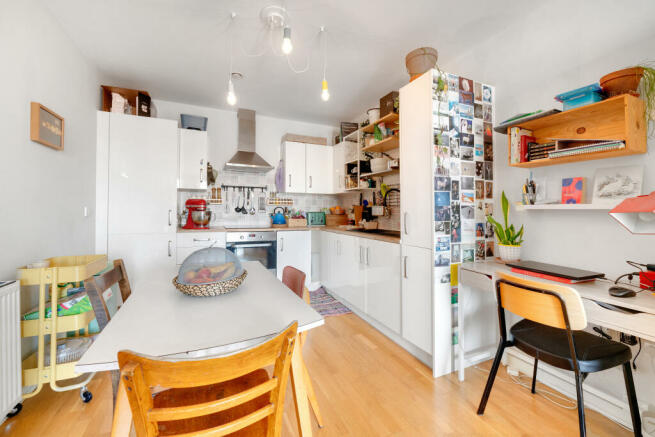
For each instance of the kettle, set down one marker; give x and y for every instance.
(278, 217)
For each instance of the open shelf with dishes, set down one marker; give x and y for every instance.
(620, 119)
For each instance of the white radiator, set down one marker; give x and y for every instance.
(10, 355)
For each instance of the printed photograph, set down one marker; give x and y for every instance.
(467, 140)
(478, 127)
(466, 125)
(444, 124)
(468, 197)
(479, 211)
(442, 160)
(442, 198)
(453, 121)
(468, 253)
(441, 183)
(490, 249)
(487, 94)
(479, 169)
(488, 190)
(488, 151)
(453, 108)
(467, 168)
(466, 97)
(441, 213)
(611, 185)
(467, 183)
(479, 189)
(468, 213)
(441, 258)
(479, 152)
(488, 230)
(456, 231)
(488, 170)
(477, 110)
(455, 253)
(468, 230)
(477, 91)
(442, 228)
(454, 147)
(479, 250)
(488, 131)
(455, 169)
(466, 153)
(455, 208)
(452, 82)
(454, 189)
(479, 230)
(465, 110)
(441, 138)
(443, 244)
(487, 113)
(488, 208)
(465, 85)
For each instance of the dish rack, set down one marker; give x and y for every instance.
(63, 273)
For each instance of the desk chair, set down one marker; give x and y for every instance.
(552, 331)
(95, 286)
(218, 396)
(295, 280)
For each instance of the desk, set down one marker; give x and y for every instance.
(160, 321)
(641, 323)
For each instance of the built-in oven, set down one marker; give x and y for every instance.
(254, 246)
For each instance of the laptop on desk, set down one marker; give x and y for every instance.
(553, 272)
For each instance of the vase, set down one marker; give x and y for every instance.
(508, 252)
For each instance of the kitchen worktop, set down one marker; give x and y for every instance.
(335, 229)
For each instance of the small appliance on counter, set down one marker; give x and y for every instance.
(278, 217)
(198, 215)
(315, 219)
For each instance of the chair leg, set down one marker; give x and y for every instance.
(579, 378)
(632, 399)
(534, 375)
(492, 377)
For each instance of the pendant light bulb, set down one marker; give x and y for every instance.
(325, 94)
(287, 47)
(231, 96)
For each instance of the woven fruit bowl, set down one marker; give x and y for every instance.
(212, 288)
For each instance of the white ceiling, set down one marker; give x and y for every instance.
(178, 49)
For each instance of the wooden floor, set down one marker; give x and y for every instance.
(366, 386)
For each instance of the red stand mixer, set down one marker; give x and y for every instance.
(198, 215)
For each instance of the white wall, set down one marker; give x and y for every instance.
(43, 191)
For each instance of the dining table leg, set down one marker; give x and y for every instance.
(299, 388)
(122, 421)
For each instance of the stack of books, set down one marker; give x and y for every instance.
(600, 146)
(519, 137)
(539, 151)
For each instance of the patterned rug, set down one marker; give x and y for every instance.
(325, 304)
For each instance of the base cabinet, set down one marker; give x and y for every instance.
(383, 283)
(417, 296)
(189, 242)
(294, 248)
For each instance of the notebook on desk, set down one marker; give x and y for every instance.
(553, 272)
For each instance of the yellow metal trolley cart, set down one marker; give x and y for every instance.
(62, 270)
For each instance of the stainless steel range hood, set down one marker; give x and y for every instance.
(246, 159)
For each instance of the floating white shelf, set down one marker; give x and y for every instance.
(564, 207)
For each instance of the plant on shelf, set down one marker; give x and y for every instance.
(509, 240)
(647, 89)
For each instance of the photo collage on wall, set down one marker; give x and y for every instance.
(463, 115)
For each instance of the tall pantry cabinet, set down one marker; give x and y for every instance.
(136, 190)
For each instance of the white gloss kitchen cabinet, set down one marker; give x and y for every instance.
(294, 248)
(417, 296)
(307, 168)
(189, 242)
(193, 150)
(136, 197)
(339, 168)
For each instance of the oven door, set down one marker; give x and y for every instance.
(264, 252)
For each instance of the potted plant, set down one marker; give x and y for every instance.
(509, 240)
(638, 80)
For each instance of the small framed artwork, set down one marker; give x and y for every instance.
(46, 127)
(612, 185)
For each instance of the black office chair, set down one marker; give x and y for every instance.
(552, 331)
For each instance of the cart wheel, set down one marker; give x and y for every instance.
(16, 410)
(85, 395)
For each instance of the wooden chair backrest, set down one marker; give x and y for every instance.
(95, 286)
(541, 307)
(294, 279)
(141, 374)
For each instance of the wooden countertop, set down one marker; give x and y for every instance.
(335, 229)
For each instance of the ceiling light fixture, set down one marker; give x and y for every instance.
(287, 47)
(231, 95)
(325, 93)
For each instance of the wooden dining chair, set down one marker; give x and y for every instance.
(232, 395)
(295, 280)
(552, 331)
(95, 286)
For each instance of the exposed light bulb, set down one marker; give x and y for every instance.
(231, 96)
(325, 94)
(287, 47)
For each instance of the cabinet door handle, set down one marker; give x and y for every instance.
(170, 217)
(405, 267)
(289, 179)
(310, 182)
(202, 239)
(281, 244)
(405, 223)
(170, 248)
(368, 250)
(200, 174)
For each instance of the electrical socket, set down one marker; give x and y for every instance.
(512, 371)
(628, 339)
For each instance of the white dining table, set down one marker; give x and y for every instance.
(159, 321)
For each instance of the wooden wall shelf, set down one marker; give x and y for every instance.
(617, 118)
(384, 145)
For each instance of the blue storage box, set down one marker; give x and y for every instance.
(580, 97)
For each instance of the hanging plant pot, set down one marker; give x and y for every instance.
(420, 60)
(624, 81)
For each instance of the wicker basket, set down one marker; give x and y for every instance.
(213, 289)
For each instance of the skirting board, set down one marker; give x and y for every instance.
(563, 382)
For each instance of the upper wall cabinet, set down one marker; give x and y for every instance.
(193, 149)
(307, 168)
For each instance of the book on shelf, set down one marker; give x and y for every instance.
(564, 147)
(573, 190)
(515, 143)
(525, 140)
(539, 151)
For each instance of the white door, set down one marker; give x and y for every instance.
(383, 283)
(416, 155)
(142, 196)
(338, 168)
(319, 168)
(193, 159)
(146, 256)
(326, 259)
(294, 167)
(294, 248)
(353, 269)
(416, 271)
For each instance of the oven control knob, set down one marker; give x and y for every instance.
(241, 237)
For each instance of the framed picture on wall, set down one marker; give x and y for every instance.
(46, 127)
